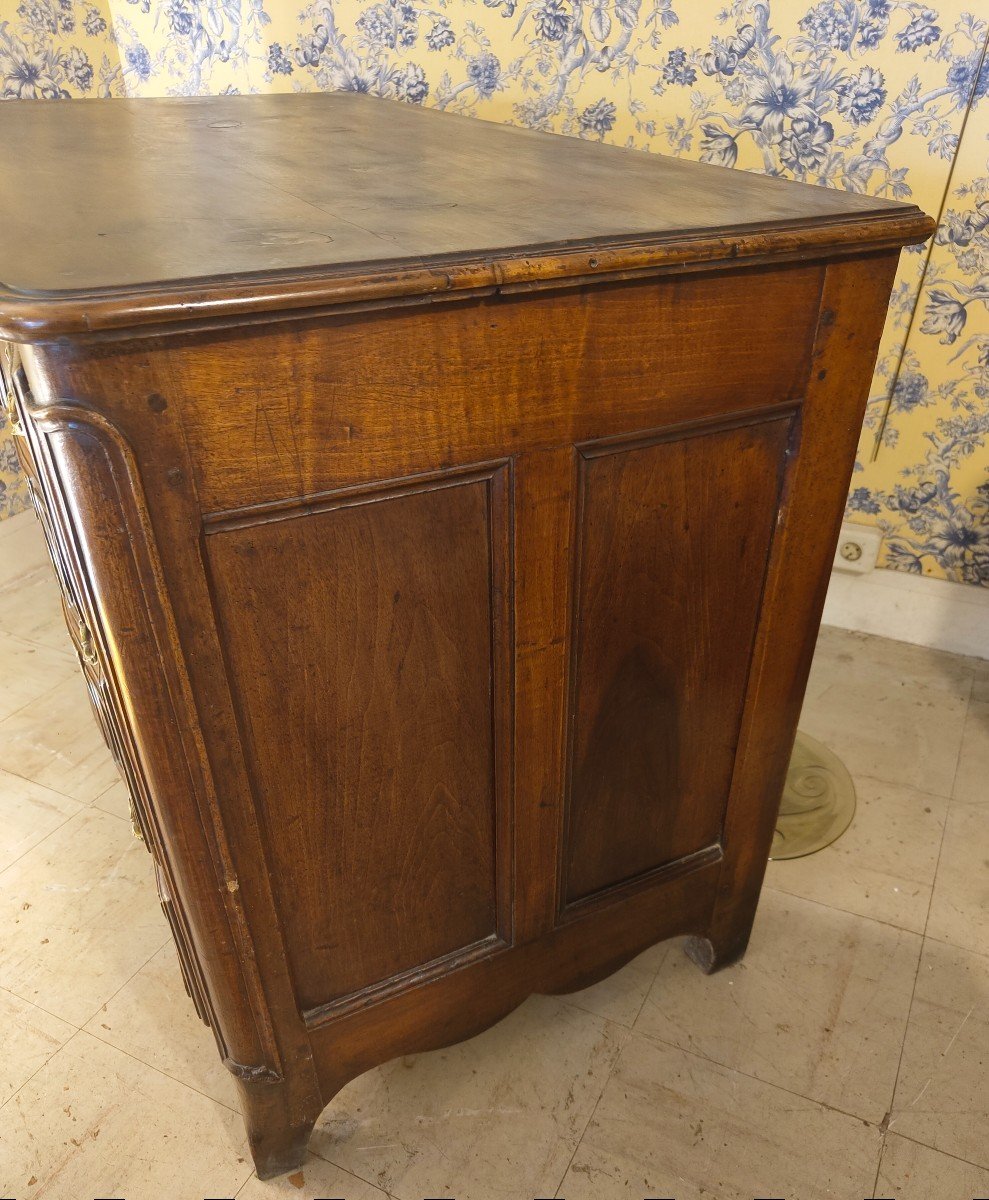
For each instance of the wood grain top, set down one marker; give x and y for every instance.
(116, 213)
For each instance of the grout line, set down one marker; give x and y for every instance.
(34, 644)
(947, 815)
(65, 1020)
(91, 805)
(65, 651)
(947, 1153)
(158, 1070)
(34, 845)
(41, 1008)
(940, 941)
(330, 1163)
(779, 1087)
(652, 983)
(13, 1095)
(879, 1158)
(83, 808)
(969, 719)
(600, 1096)
(568, 998)
(36, 574)
(587, 1126)
(920, 957)
(64, 648)
(103, 1003)
(17, 712)
(766, 887)
(134, 1058)
(624, 1032)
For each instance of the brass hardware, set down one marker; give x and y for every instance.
(135, 824)
(818, 801)
(10, 399)
(10, 407)
(87, 644)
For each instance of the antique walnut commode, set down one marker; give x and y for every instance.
(443, 514)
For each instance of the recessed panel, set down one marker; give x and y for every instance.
(362, 641)
(673, 541)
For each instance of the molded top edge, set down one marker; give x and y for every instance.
(216, 209)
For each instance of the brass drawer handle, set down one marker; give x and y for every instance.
(10, 399)
(87, 645)
(10, 406)
(135, 824)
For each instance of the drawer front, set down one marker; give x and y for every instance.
(79, 612)
(26, 443)
(192, 976)
(298, 410)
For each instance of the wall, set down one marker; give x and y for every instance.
(930, 484)
(870, 95)
(49, 50)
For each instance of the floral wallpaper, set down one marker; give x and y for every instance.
(881, 96)
(931, 495)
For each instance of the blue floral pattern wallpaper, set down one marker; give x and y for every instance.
(879, 96)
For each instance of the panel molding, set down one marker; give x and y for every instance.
(587, 905)
(497, 479)
(405, 981)
(585, 453)
(330, 499)
(682, 430)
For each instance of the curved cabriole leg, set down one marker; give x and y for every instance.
(277, 1131)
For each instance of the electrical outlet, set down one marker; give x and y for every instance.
(858, 548)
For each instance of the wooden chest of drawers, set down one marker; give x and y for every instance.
(443, 514)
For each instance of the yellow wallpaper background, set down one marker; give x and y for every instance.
(882, 96)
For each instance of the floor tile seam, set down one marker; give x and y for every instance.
(130, 978)
(787, 1091)
(917, 933)
(41, 570)
(51, 833)
(17, 711)
(968, 1162)
(944, 941)
(68, 654)
(76, 1030)
(913, 996)
(160, 1071)
(34, 845)
(594, 1108)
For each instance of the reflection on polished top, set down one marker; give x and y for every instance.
(184, 202)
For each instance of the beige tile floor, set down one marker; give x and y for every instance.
(846, 1057)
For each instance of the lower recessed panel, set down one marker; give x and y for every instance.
(673, 541)
(361, 638)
